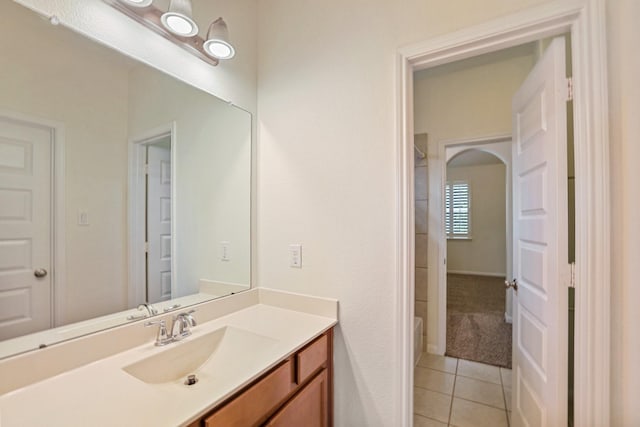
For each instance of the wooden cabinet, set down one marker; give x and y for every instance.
(298, 392)
(308, 408)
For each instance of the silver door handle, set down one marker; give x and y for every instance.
(512, 284)
(40, 273)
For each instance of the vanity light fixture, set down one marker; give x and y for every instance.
(178, 26)
(138, 3)
(217, 44)
(178, 19)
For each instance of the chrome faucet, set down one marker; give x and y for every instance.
(180, 329)
(150, 309)
(182, 324)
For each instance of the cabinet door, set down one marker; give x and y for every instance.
(308, 408)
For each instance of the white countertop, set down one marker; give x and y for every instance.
(103, 394)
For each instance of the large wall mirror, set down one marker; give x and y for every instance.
(119, 185)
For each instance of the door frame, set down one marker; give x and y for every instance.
(58, 276)
(437, 159)
(585, 20)
(137, 209)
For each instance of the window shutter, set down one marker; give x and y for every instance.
(457, 209)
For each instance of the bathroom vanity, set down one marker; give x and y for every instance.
(296, 393)
(261, 357)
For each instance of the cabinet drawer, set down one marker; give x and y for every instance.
(255, 404)
(311, 359)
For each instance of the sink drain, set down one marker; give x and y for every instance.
(191, 380)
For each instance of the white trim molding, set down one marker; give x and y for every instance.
(405, 253)
(585, 20)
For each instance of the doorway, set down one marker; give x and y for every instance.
(523, 86)
(152, 216)
(158, 220)
(592, 195)
(478, 321)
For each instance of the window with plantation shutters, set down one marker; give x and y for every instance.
(457, 210)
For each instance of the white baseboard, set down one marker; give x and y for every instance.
(477, 273)
(508, 318)
(433, 349)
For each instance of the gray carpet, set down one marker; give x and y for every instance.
(476, 329)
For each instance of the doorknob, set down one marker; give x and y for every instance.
(40, 273)
(512, 284)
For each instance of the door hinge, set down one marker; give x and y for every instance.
(146, 247)
(145, 169)
(572, 279)
(569, 88)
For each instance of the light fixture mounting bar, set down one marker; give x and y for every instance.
(150, 18)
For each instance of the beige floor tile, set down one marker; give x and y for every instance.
(439, 363)
(479, 371)
(420, 421)
(433, 380)
(471, 414)
(506, 377)
(479, 391)
(507, 397)
(431, 404)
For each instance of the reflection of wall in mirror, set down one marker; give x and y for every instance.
(213, 170)
(43, 76)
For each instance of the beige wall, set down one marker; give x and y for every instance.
(624, 114)
(470, 98)
(44, 75)
(212, 175)
(485, 252)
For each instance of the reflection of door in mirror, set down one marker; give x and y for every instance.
(25, 227)
(158, 220)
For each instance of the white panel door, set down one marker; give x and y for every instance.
(159, 223)
(540, 248)
(25, 228)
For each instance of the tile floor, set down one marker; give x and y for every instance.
(460, 393)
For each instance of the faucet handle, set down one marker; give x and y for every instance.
(182, 323)
(163, 337)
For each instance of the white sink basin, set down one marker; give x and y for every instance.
(216, 354)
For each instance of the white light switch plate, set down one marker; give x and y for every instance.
(295, 256)
(225, 251)
(83, 218)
